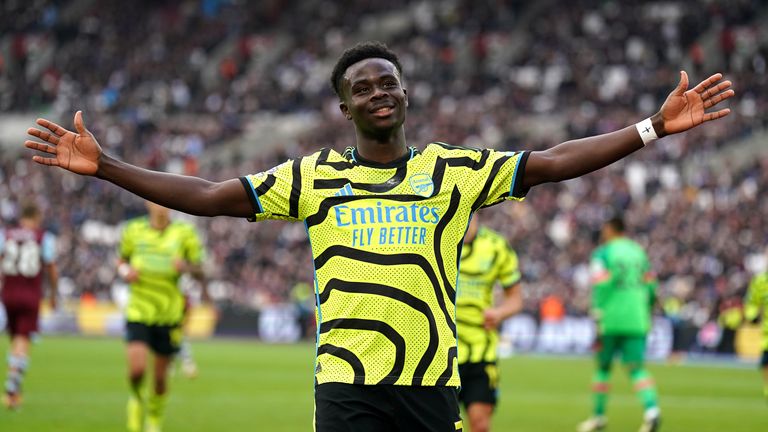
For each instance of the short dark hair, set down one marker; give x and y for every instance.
(617, 223)
(361, 51)
(29, 210)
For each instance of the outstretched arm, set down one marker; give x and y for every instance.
(681, 111)
(80, 153)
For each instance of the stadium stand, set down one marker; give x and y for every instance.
(187, 86)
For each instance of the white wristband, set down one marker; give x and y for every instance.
(123, 270)
(646, 131)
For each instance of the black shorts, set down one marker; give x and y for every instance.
(161, 339)
(385, 408)
(764, 359)
(479, 383)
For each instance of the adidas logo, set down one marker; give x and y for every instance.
(345, 191)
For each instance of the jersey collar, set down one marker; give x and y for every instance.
(353, 156)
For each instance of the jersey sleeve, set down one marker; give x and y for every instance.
(276, 193)
(48, 252)
(193, 246)
(502, 177)
(509, 271)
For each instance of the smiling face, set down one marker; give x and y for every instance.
(373, 97)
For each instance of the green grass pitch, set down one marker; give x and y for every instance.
(77, 384)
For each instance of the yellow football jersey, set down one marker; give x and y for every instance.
(155, 298)
(385, 242)
(484, 261)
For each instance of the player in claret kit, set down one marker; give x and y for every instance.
(28, 251)
(385, 222)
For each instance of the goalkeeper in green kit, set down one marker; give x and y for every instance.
(623, 295)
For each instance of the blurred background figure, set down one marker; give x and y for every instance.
(303, 300)
(730, 316)
(155, 251)
(486, 260)
(624, 294)
(28, 253)
(756, 305)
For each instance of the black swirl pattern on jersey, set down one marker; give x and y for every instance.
(448, 372)
(322, 159)
(357, 366)
(479, 272)
(486, 344)
(455, 147)
(386, 186)
(253, 194)
(401, 296)
(453, 206)
(466, 346)
(293, 202)
(377, 326)
(479, 202)
(390, 260)
(266, 185)
(463, 161)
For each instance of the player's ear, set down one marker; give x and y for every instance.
(405, 92)
(345, 110)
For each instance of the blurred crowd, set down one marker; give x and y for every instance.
(164, 84)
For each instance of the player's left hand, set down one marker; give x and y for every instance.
(492, 319)
(685, 108)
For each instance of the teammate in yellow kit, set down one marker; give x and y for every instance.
(485, 260)
(154, 252)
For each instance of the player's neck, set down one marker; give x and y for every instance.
(159, 224)
(28, 223)
(382, 149)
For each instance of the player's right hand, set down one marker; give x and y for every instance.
(127, 272)
(77, 152)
